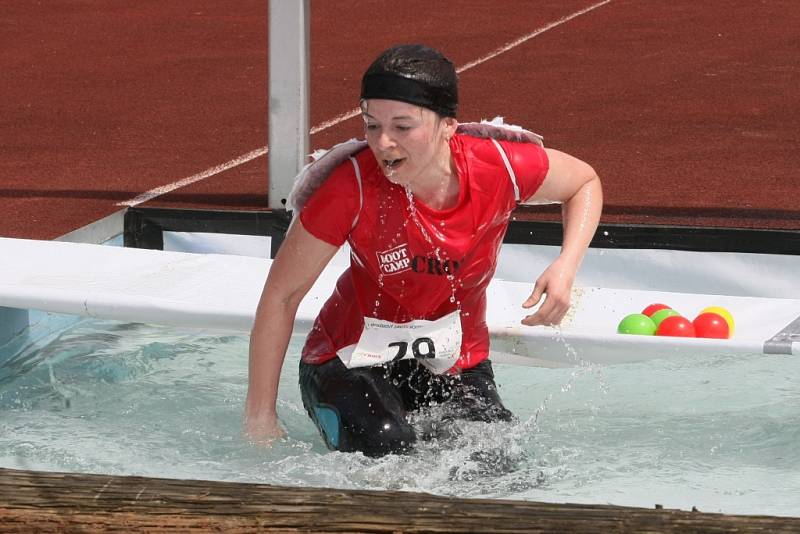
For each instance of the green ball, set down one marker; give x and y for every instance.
(660, 315)
(637, 324)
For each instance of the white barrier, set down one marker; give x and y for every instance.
(221, 292)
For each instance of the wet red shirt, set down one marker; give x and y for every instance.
(396, 273)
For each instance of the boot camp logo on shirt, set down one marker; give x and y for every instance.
(395, 260)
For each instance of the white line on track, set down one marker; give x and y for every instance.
(253, 154)
(164, 189)
(515, 43)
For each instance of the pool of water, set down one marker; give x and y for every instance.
(720, 433)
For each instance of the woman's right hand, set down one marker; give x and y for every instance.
(300, 260)
(263, 430)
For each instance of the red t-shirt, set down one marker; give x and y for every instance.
(395, 273)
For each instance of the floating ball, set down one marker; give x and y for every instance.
(637, 324)
(652, 308)
(675, 326)
(725, 315)
(711, 325)
(660, 315)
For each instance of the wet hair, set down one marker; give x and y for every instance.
(415, 74)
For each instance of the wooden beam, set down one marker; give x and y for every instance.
(60, 502)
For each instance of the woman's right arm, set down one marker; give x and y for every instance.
(300, 260)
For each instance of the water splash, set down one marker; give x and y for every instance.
(437, 251)
(581, 367)
(383, 208)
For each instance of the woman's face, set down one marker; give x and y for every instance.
(408, 141)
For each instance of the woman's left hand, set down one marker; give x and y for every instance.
(556, 283)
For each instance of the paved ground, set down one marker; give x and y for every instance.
(688, 110)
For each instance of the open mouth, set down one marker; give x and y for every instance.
(392, 164)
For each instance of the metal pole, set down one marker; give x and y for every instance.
(288, 95)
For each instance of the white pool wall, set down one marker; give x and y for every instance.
(719, 273)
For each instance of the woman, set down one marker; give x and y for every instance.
(424, 210)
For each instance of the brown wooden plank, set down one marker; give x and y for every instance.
(61, 502)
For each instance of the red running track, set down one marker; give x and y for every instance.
(688, 110)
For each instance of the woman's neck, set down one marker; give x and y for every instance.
(439, 188)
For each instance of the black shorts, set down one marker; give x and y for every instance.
(365, 409)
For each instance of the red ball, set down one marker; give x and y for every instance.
(711, 325)
(651, 309)
(676, 326)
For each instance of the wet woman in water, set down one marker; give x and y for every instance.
(424, 205)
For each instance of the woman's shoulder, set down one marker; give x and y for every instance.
(490, 141)
(474, 148)
(489, 147)
(332, 167)
(498, 143)
(359, 163)
(366, 161)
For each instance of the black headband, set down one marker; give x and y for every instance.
(386, 85)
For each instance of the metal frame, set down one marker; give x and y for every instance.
(288, 95)
(787, 341)
(144, 226)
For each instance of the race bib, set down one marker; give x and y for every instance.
(436, 344)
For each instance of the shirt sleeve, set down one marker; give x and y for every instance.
(530, 165)
(330, 212)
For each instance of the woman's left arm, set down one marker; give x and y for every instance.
(576, 185)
